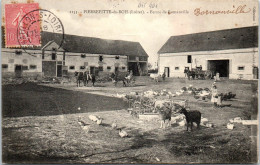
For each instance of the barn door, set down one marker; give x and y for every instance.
(59, 70)
(49, 68)
(18, 71)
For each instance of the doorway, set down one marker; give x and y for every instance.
(255, 72)
(219, 66)
(18, 71)
(116, 69)
(92, 70)
(167, 71)
(59, 70)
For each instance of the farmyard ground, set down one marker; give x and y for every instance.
(40, 126)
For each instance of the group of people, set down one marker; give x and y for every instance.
(126, 79)
(85, 77)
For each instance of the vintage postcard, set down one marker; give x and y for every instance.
(130, 81)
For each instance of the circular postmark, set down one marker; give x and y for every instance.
(37, 28)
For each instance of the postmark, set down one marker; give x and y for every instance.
(28, 29)
(14, 14)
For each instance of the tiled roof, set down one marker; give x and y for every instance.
(237, 38)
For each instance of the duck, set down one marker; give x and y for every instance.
(122, 133)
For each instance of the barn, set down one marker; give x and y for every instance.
(233, 53)
(63, 54)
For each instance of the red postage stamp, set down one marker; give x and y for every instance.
(22, 27)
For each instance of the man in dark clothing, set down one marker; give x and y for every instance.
(93, 79)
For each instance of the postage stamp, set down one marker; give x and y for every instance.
(22, 28)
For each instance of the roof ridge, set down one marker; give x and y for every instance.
(214, 31)
(92, 37)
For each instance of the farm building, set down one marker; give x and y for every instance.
(76, 53)
(233, 53)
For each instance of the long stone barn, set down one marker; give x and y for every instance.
(77, 53)
(233, 53)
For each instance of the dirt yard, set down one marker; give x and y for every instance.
(42, 127)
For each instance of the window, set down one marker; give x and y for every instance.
(240, 68)
(59, 62)
(189, 59)
(83, 55)
(82, 67)
(72, 67)
(123, 67)
(142, 58)
(117, 57)
(53, 56)
(33, 66)
(100, 68)
(25, 67)
(108, 67)
(100, 58)
(4, 66)
(177, 68)
(18, 52)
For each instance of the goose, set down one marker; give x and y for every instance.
(122, 133)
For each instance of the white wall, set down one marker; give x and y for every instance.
(9, 57)
(75, 59)
(237, 57)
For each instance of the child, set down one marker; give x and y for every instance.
(219, 102)
(214, 94)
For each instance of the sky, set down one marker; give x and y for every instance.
(152, 30)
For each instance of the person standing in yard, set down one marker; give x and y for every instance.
(86, 77)
(214, 94)
(93, 79)
(163, 76)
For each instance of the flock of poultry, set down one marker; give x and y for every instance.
(98, 121)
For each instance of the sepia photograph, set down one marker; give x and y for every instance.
(130, 81)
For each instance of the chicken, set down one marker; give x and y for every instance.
(99, 121)
(230, 126)
(114, 125)
(122, 133)
(93, 117)
(83, 125)
(178, 93)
